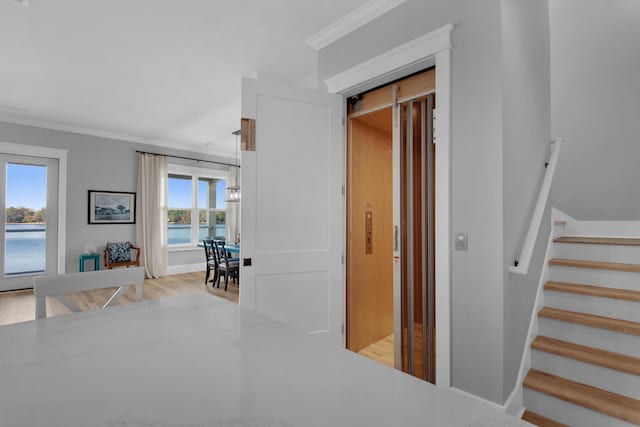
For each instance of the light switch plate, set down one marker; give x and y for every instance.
(462, 241)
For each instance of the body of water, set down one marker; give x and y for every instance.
(181, 233)
(26, 244)
(25, 248)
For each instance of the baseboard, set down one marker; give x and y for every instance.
(185, 268)
(481, 399)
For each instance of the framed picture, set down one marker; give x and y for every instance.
(112, 207)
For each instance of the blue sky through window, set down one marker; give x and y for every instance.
(180, 193)
(26, 186)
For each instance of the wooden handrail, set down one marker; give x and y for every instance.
(522, 262)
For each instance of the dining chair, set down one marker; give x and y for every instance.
(211, 260)
(228, 266)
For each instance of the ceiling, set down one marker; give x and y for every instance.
(165, 72)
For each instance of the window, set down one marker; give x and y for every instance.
(25, 219)
(29, 200)
(197, 207)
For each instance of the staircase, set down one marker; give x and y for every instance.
(585, 359)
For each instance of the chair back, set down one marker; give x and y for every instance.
(59, 285)
(120, 255)
(209, 250)
(119, 252)
(221, 252)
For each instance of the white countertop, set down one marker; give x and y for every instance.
(197, 360)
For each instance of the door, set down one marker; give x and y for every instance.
(417, 276)
(391, 225)
(292, 207)
(28, 223)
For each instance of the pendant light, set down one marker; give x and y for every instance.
(233, 192)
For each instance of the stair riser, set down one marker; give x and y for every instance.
(603, 228)
(619, 309)
(607, 253)
(604, 278)
(593, 375)
(568, 413)
(591, 337)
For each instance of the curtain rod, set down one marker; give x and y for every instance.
(187, 158)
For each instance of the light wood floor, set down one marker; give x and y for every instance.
(382, 351)
(19, 306)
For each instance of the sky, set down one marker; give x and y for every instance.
(180, 193)
(26, 186)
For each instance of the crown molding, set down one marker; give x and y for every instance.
(116, 136)
(351, 22)
(402, 57)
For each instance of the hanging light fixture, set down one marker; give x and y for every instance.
(233, 192)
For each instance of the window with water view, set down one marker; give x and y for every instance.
(26, 222)
(197, 209)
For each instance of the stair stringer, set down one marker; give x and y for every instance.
(514, 405)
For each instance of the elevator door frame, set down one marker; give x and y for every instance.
(433, 48)
(403, 250)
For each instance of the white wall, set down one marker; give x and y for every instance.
(595, 105)
(526, 132)
(96, 163)
(476, 173)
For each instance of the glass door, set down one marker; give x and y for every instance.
(28, 228)
(417, 280)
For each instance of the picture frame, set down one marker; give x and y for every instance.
(111, 207)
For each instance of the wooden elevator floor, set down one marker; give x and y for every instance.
(380, 351)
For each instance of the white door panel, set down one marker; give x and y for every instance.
(298, 289)
(293, 186)
(292, 207)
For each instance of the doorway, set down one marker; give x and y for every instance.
(391, 225)
(29, 220)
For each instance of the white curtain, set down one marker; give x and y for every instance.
(232, 209)
(151, 230)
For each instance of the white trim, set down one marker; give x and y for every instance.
(395, 60)
(351, 22)
(183, 247)
(186, 268)
(434, 47)
(61, 156)
(536, 220)
(478, 398)
(442, 137)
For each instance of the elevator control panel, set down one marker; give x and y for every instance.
(368, 232)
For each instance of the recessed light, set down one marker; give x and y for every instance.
(23, 2)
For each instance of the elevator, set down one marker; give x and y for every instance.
(390, 225)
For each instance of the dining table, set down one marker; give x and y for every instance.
(195, 359)
(230, 247)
